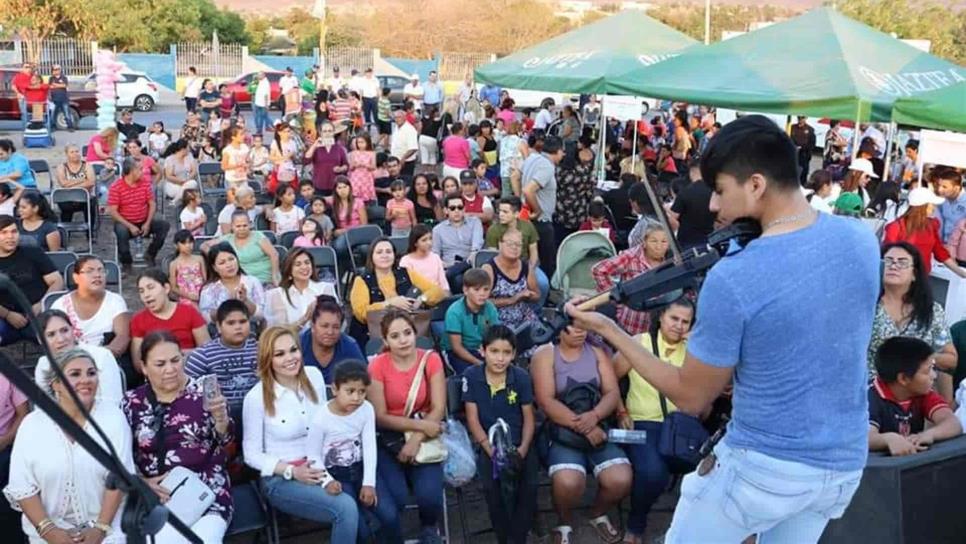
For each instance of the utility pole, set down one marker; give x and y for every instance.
(707, 22)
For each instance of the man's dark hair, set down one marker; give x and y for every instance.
(6, 221)
(350, 370)
(552, 144)
(638, 194)
(913, 144)
(901, 355)
(229, 307)
(7, 145)
(452, 196)
(130, 165)
(749, 145)
(597, 210)
(476, 277)
(513, 202)
(500, 332)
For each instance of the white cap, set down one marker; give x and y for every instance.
(920, 196)
(864, 166)
(414, 76)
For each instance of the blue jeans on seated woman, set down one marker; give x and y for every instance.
(314, 503)
(651, 475)
(389, 531)
(426, 482)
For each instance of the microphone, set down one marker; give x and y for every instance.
(143, 514)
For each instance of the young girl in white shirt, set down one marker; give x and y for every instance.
(192, 215)
(158, 140)
(286, 216)
(342, 439)
(259, 157)
(277, 415)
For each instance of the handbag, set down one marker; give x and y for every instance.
(681, 434)
(190, 495)
(579, 398)
(431, 450)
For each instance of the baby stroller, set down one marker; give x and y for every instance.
(576, 256)
(39, 131)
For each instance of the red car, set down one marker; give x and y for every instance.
(82, 103)
(239, 88)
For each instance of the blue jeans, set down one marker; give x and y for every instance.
(751, 493)
(158, 231)
(651, 475)
(314, 503)
(543, 285)
(62, 107)
(262, 121)
(369, 106)
(24, 114)
(460, 365)
(426, 482)
(390, 529)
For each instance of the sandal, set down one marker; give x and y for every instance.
(564, 532)
(605, 530)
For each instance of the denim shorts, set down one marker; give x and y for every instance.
(561, 457)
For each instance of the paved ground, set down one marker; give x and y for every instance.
(299, 533)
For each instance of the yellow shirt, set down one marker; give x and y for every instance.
(643, 402)
(359, 295)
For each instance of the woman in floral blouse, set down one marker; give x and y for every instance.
(575, 191)
(906, 308)
(172, 427)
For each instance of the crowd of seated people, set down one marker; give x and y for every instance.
(330, 384)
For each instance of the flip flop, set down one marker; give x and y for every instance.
(605, 530)
(564, 532)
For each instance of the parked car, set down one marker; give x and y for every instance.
(83, 103)
(395, 85)
(239, 88)
(135, 90)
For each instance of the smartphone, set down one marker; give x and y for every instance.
(210, 387)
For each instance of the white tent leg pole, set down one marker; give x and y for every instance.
(634, 150)
(856, 136)
(602, 155)
(890, 141)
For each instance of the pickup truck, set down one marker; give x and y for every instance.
(82, 103)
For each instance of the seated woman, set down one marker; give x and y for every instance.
(421, 259)
(393, 373)
(906, 308)
(160, 313)
(255, 252)
(37, 223)
(59, 334)
(293, 301)
(276, 415)
(555, 369)
(61, 490)
(242, 198)
(514, 283)
(175, 426)
(386, 284)
(76, 173)
(668, 341)
(225, 280)
(100, 317)
(180, 170)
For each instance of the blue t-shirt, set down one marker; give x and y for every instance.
(19, 163)
(345, 348)
(793, 315)
(469, 325)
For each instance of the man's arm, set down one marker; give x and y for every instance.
(530, 195)
(945, 426)
(692, 387)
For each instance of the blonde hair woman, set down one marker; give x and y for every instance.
(102, 145)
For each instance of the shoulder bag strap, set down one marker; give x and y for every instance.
(414, 388)
(653, 337)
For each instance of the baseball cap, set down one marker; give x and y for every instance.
(467, 176)
(920, 196)
(848, 203)
(864, 166)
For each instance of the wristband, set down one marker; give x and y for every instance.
(45, 526)
(102, 527)
(326, 479)
(621, 413)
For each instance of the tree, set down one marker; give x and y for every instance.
(943, 26)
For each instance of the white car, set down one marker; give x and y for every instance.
(134, 90)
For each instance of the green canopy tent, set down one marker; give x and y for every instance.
(586, 59)
(943, 109)
(820, 64)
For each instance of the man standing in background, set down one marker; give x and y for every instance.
(192, 88)
(58, 95)
(804, 137)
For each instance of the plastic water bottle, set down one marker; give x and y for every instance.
(623, 436)
(138, 248)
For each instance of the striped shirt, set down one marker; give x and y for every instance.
(340, 109)
(235, 368)
(384, 109)
(132, 201)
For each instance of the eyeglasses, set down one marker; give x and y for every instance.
(454, 208)
(898, 264)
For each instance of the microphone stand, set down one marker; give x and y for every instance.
(144, 515)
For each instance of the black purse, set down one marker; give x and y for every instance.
(681, 434)
(580, 398)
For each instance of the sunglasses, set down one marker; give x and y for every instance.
(454, 208)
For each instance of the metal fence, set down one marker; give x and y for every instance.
(456, 66)
(75, 56)
(212, 59)
(347, 58)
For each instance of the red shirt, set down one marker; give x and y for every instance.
(475, 205)
(131, 201)
(147, 163)
(185, 319)
(927, 241)
(20, 82)
(396, 383)
(36, 95)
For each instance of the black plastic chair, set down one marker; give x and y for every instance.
(288, 238)
(41, 166)
(270, 235)
(326, 266)
(358, 240)
(62, 258)
(484, 256)
(252, 513)
(400, 244)
(75, 196)
(50, 298)
(282, 253)
(113, 276)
